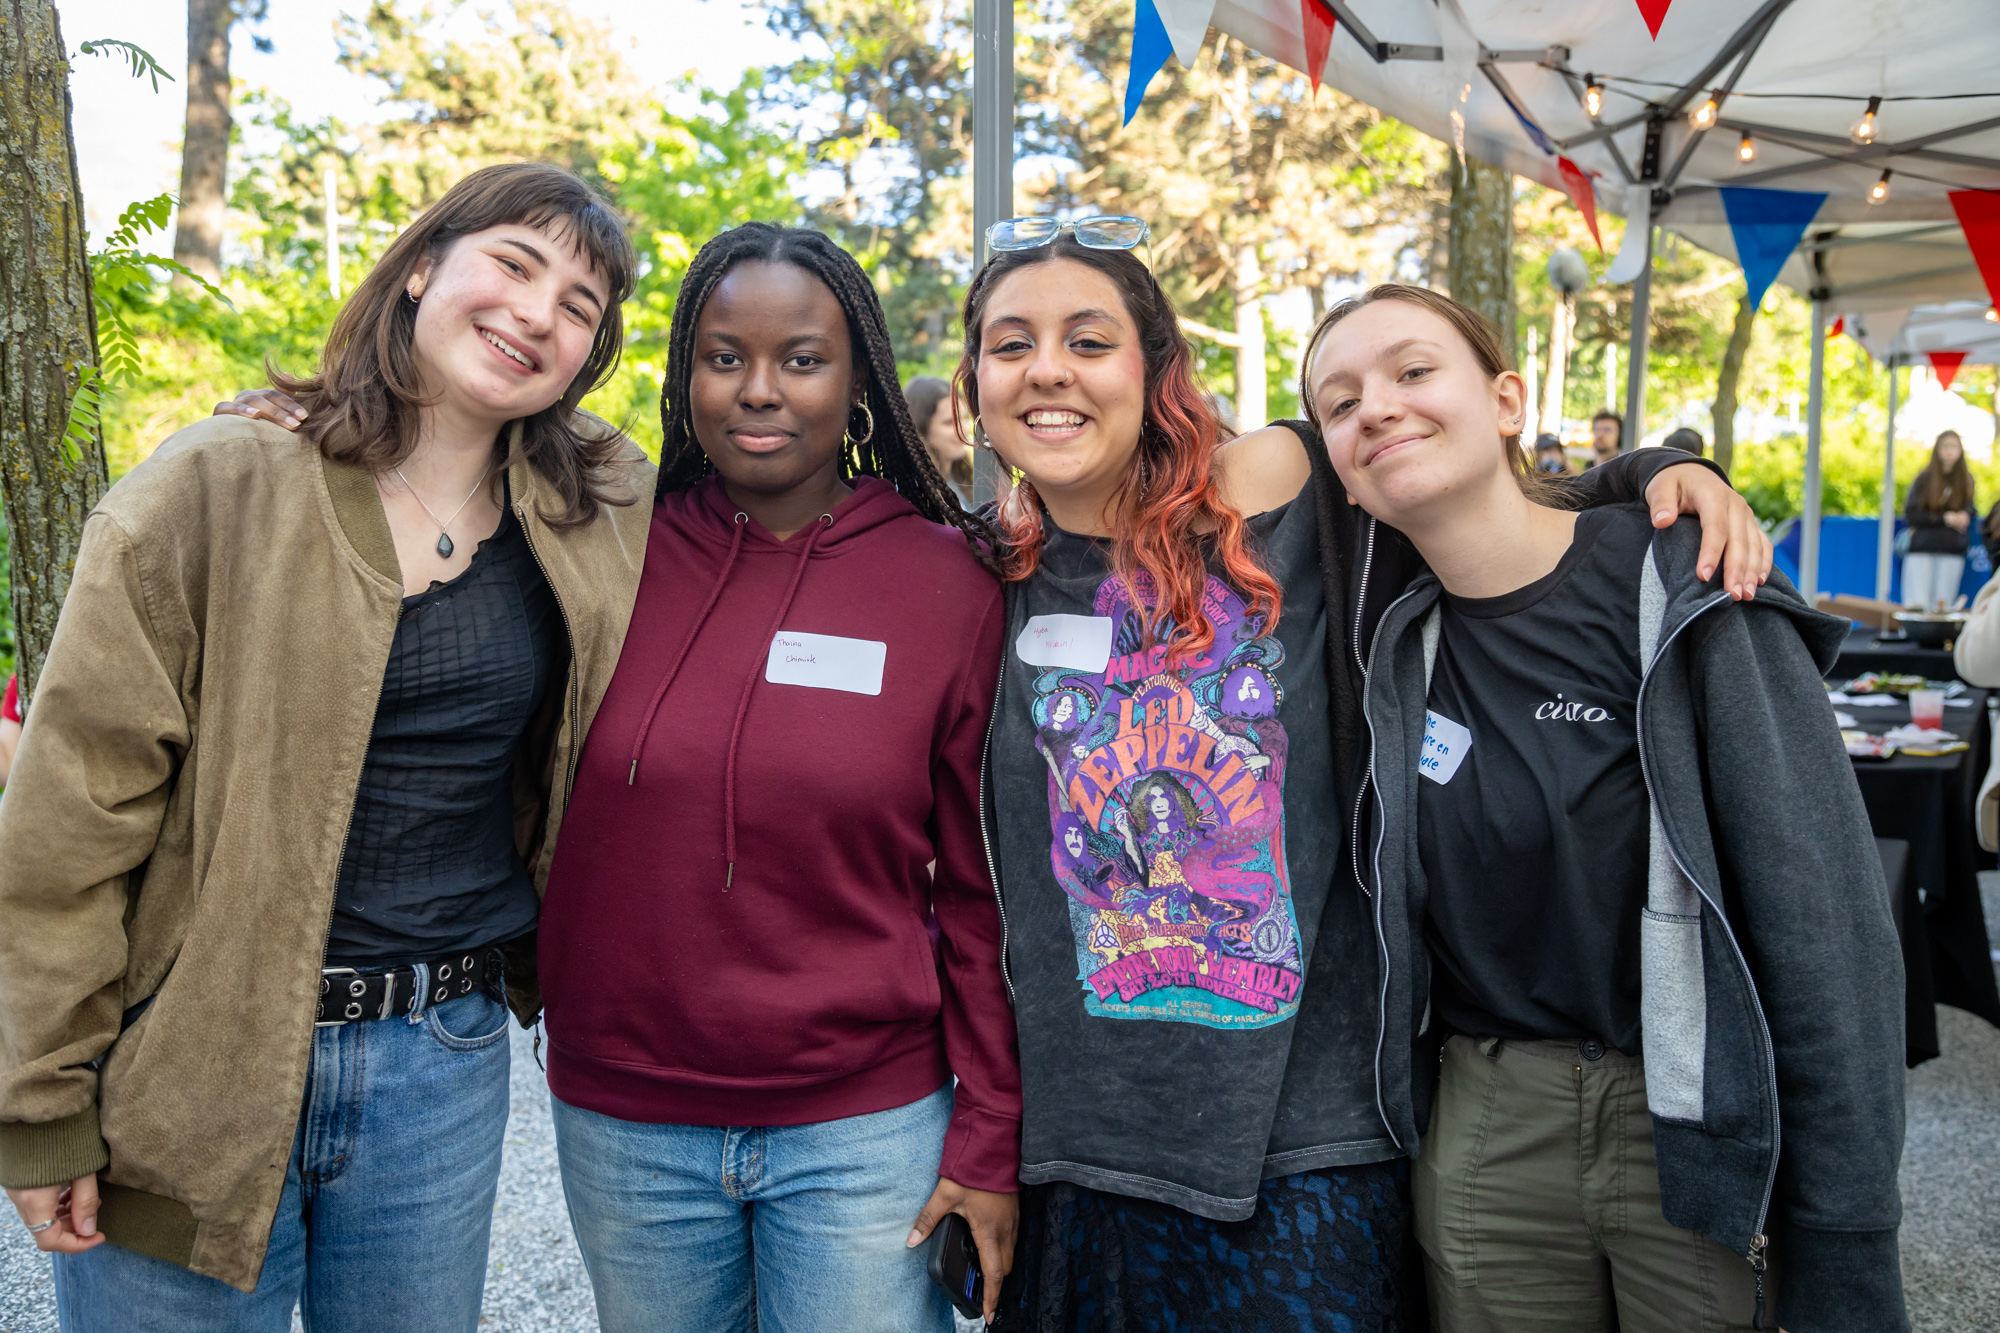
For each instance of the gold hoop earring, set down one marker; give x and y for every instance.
(852, 438)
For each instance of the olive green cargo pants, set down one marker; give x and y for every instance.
(1538, 1202)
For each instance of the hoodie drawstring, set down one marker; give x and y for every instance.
(714, 595)
(743, 703)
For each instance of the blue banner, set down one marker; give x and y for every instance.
(1150, 48)
(1766, 225)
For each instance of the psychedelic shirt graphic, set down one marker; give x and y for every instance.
(1166, 801)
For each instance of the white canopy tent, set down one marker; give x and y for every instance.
(1507, 83)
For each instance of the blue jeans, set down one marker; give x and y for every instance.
(684, 1228)
(388, 1200)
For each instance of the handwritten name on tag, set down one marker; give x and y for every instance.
(1446, 744)
(826, 662)
(1079, 643)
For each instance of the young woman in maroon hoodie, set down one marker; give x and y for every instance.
(753, 1031)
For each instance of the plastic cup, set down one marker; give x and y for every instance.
(1927, 709)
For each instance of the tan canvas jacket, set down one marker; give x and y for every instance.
(173, 826)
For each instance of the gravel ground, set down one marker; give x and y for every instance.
(1951, 1196)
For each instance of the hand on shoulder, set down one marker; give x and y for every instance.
(1262, 470)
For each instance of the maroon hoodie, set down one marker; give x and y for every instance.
(737, 925)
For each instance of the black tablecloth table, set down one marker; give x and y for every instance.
(1861, 654)
(1927, 802)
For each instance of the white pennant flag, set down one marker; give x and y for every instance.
(1632, 252)
(1186, 22)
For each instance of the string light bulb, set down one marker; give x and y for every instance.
(1863, 131)
(1703, 117)
(1879, 190)
(1992, 315)
(1593, 96)
(1747, 150)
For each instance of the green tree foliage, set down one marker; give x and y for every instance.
(885, 91)
(1252, 183)
(540, 84)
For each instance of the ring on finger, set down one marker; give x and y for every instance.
(37, 1228)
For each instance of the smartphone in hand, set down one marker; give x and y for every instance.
(954, 1266)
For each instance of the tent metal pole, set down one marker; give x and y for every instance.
(1816, 394)
(992, 167)
(1642, 331)
(1885, 539)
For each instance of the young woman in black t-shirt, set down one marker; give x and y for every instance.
(1629, 836)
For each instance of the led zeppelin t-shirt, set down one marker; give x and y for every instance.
(1170, 855)
(1533, 823)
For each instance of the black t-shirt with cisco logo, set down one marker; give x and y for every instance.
(1536, 846)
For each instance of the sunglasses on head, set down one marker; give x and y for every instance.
(1107, 231)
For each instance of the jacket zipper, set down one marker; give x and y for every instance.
(1354, 643)
(573, 709)
(986, 836)
(1381, 937)
(1758, 1240)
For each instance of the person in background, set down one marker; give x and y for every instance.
(932, 413)
(10, 727)
(1687, 440)
(1941, 511)
(1612, 808)
(1549, 456)
(1607, 436)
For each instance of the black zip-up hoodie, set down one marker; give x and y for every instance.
(1772, 986)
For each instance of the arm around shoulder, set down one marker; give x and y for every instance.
(1262, 470)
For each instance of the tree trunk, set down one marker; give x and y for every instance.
(1250, 413)
(48, 340)
(1481, 260)
(1726, 380)
(205, 147)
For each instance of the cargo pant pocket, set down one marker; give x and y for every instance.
(1446, 1173)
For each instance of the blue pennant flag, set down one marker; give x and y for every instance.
(1767, 225)
(1150, 48)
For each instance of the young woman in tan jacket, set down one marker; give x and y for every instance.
(271, 849)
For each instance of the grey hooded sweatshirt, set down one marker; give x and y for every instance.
(1771, 986)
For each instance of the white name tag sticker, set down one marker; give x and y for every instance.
(1446, 744)
(1078, 643)
(826, 662)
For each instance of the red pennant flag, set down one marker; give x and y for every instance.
(1319, 36)
(1945, 365)
(1582, 194)
(1979, 214)
(1839, 327)
(1655, 13)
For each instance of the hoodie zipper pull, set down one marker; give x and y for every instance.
(1756, 1257)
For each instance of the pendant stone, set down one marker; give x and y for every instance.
(444, 545)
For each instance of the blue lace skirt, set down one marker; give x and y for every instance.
(1326, 1250)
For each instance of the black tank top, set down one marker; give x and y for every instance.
(430, 865)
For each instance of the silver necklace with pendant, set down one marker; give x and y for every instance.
(444, 546)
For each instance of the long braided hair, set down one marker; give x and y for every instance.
(893, 451)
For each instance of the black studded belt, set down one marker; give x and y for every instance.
(349, 996)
